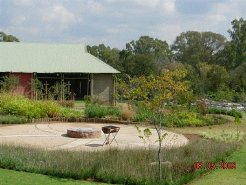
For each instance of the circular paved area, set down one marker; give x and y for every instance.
(53, 136)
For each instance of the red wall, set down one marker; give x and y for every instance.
(24, 87)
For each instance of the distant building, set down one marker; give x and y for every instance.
(62, 63)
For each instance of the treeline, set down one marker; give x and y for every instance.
(216, 67)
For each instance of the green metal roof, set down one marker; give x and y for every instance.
(49, 58)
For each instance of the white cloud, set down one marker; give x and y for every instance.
(167, 32)
(23, 2)
(61, 15)
(94, 7)
(216, 17)
(169, 6)
(18, 20)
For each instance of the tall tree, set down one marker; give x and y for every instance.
(154, 54)
(238, 42)
(106, 54)
(7, 38)
(194, 47)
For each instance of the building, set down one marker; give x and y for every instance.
(85, 74)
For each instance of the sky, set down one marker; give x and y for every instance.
(115, 22)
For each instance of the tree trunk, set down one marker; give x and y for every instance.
(159, 151)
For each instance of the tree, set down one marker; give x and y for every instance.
(150, 50)
(7, 38)
(105, 53)
(207, 78)
(194, 47)
(139, 65)
(238, 78)
(155, 92)
(238, 42)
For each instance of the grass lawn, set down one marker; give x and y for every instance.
(222, 176)
(11, 177)
(227, 176)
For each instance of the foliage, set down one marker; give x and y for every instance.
(7, 38)
(70, 114)
(238, 39)
(11, 119)
(232, 112)
(59, 91)
(154, 92)
(223, 93)
(115, 166)
(105, 53)
(238, 78)
(202, 107)
(37, 89)
(207, 77)
(194, 47)
(142, 114)
(30, 109)
(184, 118)
(98, 111)
(224, 136)
(9, 83)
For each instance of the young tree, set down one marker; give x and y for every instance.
(155, 92)
(7, 38)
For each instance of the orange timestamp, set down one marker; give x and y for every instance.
(215, 165)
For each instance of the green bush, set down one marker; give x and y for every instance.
(30, 109)
(179, 117)
(10, 119)
(184, 118)
(142, 114)
(129, 166)
(99, 111)
(71, 114)
(232, 112)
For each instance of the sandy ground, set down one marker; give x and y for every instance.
(52, 136)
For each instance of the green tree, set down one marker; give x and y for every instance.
(238, 78)
(194, 47)
(7, 38)
(237, 47)
(146, 54)
(108, 55)
(155, 92)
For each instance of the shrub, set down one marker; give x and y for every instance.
(183, 118)
(99, 111)
(10, 119)
(142, 114)
(9, 83)
(202, 107)
(21, 106)
(127, 112)
(70, 114)
(232, 112)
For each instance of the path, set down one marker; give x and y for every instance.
(53, 136)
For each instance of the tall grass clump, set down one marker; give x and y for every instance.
(129, 166)
(99, 111)
(20, 106)
(10, 119)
